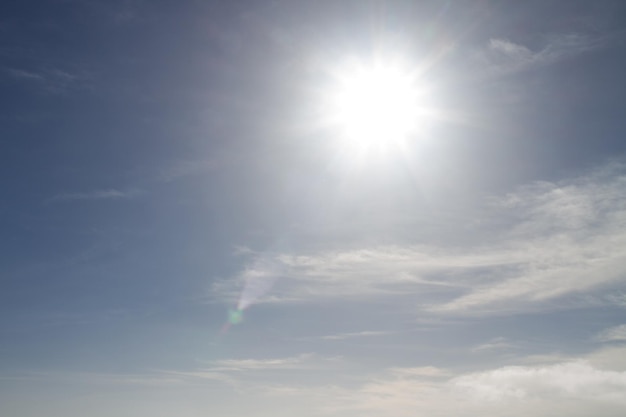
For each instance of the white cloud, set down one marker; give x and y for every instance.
(613, 334)
(545, 241)
(574, 388)
(571, 237)
(610, 357)
(576, 380)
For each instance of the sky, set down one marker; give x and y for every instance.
(190, 228)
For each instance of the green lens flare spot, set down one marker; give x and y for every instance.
(235, 316)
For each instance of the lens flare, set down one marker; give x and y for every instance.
(235, 316)
(259, 278)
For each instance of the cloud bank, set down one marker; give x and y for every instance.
(577, 387)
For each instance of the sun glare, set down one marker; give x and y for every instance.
(375, 107)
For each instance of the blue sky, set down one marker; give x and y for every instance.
(188, 231)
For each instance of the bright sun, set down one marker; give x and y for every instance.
(375, 106)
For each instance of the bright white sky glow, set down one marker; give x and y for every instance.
(375, 106)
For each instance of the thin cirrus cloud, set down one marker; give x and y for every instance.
(548, 240)
(571, 238)
(110, 194)
(23, 74)
(228, 368)
(51, 80)
(240, 365)
(505, 56)
(240, 372)
(495, 344)
(348, 335)
(226, 372)
(355, 335)
(613, 334)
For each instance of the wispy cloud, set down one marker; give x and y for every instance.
(200, 375)
(570, 236)
(240, 365)
(51, 80)
(503, 55)
(22, 74)
(232, 372)
(496, 344)
(110, 194)
(242, 373)
(548, 240)
(355, 335)
(420, 372)
(613, 334)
